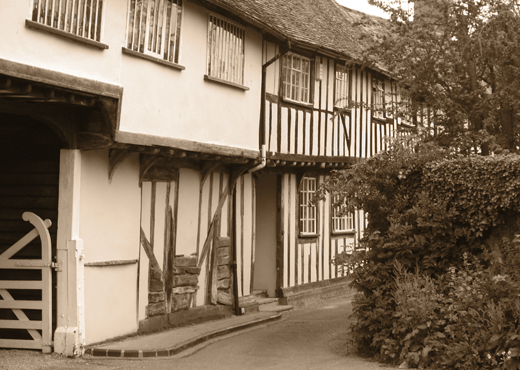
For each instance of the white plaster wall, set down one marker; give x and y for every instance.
(181, 104)
(109, 227)
(157, 100)
(41, 49)
(188, 213)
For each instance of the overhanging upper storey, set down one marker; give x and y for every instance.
(320, 107)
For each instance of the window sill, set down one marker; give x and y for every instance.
(152, 59)
(306, 236)
(341, 233)
(381, 121)
(68, 35)
(224, 82)
(306, 105)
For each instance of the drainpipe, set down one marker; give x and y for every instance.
(263, 161)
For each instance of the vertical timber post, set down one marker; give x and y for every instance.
(69, 337)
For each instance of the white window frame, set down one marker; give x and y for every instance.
(296, 72)
(160, 39)
(378, 98)
(81, 18)
(342, 88)
(341, 223)
(308, 212)
(225, 58)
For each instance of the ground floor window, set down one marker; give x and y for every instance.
(308, 215)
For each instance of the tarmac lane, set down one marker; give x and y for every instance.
(307, 338)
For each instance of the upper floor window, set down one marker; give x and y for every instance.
(154, 28)
(308, 214)
(79, 17)
(341, 98)
(296, 78)
(341, 222)
(226, 50)
(378, 98)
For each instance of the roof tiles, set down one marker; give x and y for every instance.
(320, 24)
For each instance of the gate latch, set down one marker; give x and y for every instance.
(56, 265)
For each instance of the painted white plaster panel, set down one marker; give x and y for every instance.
(305, 262)
(314, 270)
(326, 240)
(144, 271)
(41, 49)
(188, 211)
(273, 146)
(248, 232)
(308, 126)
(110, 222)
(317, 82)
(181, 104)
(200, 297)
(109, 211)
(330, 128)
(324, 85)
(110, 296)
(286, 228)
(144, 262)
(224, 221)
(270, 52)
(160, 212)
(292, 130)
(238, 240)
(203, 233)
(285, 129)
(301, 130)
(293, 241)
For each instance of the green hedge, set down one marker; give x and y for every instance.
(428, 209)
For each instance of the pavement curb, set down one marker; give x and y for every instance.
(179, 347)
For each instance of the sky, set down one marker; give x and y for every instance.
(362, 6)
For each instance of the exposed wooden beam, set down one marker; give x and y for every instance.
(182, 144)
(92, 140)
(115, 157)
(5, 83)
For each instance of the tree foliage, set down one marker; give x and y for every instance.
(459, 62)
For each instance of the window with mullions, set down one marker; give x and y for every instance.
(378, 98)
(78, 17)
(308, 214)
(341, 222)
(154, 28)
(296, 72)
(342, 93)
(226, 50)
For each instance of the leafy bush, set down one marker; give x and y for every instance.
(466, 319)
(429, 207)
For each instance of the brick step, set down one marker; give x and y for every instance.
(262, 301)
(259, 293)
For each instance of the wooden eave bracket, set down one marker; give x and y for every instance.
(115, 157)
(208, 169)
(146, 162)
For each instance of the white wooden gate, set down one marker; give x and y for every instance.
(40, 331)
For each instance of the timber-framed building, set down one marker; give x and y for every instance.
(158, 158)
